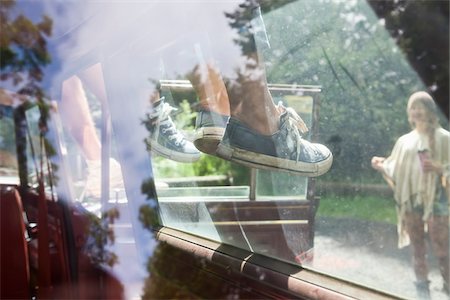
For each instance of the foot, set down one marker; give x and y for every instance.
(423, 289)
(285, 150)
(165, 139)
(210, 127)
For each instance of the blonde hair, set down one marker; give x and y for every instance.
(430, 106)
(431, 113)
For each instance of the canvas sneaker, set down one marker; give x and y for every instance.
(165, 139)
(210, 127)
(284, 150)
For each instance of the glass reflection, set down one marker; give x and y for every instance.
(214, 63)
(192, 57)
(221, 95)
(90, 139)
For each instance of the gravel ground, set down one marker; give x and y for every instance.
(366, 252)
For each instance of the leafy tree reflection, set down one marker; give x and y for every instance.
(24, 56)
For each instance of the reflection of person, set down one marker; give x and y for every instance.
(240, 122)
(214, 107)
(77, 118)
(258, 133)
(419, 168)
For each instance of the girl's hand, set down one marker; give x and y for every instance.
(377, 163)
(429, 165)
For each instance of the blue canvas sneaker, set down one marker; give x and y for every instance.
(284, 150)
(165, 139)
(209, 130)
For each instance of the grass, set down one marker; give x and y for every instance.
(360, 207)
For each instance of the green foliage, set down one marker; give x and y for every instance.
(364, 208)
(101, 235)
(23, 49)
(209, 164)
(365, 78)
(148, 217)
(166, 168)
(186, 118)
(23, 56)
(7, 136)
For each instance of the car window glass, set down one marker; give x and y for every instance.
(333, 63)
(9, 169)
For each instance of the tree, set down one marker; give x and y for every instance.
(23, 50)
(421, 29)
(366, 80)
(23, 55)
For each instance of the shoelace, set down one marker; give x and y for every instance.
(163, 118)
(296, 125)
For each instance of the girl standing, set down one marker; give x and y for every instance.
(419, 171)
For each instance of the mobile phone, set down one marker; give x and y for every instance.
(423, 155)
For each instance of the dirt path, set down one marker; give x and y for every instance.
(366, 252)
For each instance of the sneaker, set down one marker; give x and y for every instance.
(210, 127)
(165, 139)
(285, 150)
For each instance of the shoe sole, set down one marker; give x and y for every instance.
(208, 138)
(267, 162)
(173, 155)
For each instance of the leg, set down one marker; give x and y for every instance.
(250, 100)
(93, 79)
(77, 116)
(415, 228)
(259, 133)
(439, 233)
(75, 112)
(214, 107)
(210, 88)
(262, 135)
